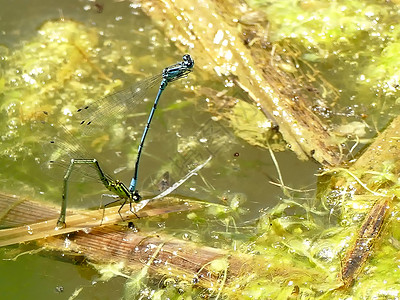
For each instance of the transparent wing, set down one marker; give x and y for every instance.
(106, 110)
(59, 146)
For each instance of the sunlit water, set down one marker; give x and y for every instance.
(181, 119)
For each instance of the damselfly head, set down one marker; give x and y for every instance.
(178, 70)
(188, 61)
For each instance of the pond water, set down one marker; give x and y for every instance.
(109, 46)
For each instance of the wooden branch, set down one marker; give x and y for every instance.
(216, 44)
(113, 243)
(163, 254)
(41, 220)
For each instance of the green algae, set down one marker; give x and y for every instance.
(294, 238)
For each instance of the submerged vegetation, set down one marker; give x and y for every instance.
(357, 40)
(339, 242)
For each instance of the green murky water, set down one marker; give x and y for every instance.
(57, 57)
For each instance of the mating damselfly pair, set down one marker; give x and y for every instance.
(105, 109)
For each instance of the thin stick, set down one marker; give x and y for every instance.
(282, 185)
(356, 179)
(180, 182)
